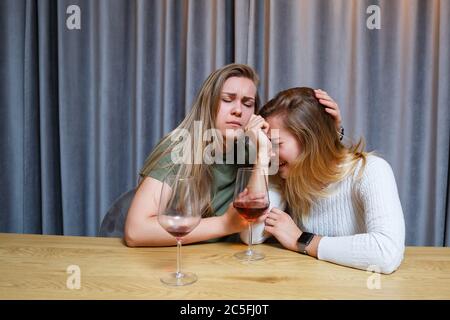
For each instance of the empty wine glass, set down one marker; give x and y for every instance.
(179, 215)
(251, 200)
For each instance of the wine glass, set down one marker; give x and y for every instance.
(251, 200)
(179, 214)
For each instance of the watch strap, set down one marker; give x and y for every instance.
(303, 241)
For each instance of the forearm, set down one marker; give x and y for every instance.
(259, 180)
(150, 232)
(374, 250)
(358, 251)
(210, 228)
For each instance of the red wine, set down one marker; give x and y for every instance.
(250, 213)
(179, 232)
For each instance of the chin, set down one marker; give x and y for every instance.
(283, 173)
(232, 133)
(230, 136)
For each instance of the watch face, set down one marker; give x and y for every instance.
(304, 241)
(306, 238)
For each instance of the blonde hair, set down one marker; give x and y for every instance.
(323, 159)
(204, 109)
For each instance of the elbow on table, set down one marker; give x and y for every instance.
(129, 240)
(387, 267)
(387, 261)
(130, 237)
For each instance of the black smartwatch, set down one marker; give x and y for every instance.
(304, 240)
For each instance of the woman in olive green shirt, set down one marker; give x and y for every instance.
(227, 102)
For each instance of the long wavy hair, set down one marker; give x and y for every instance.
(205, 110)
(323, 159)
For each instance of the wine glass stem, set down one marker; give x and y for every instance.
(178, 258)
(250, 237)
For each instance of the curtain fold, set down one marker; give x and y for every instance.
(80, 110)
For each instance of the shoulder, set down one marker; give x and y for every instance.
(373, 166)
(163, 151)
(159, 163)
(375, 174)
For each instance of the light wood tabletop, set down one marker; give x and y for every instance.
(44, 267)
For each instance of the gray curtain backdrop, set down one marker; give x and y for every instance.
(80, 110)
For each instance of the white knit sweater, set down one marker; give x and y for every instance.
(361, 221)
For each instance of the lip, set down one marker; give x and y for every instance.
(234, 123)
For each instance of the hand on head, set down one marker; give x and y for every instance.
(331, 106)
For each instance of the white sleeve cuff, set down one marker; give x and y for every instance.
(259, 235)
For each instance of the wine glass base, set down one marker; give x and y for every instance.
(248, 255)
(180, 279)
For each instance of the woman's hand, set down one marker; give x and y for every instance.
(251, 200)
(256, 123)
(330, 106)
(282, 227)
(233, 221)
(257, 129)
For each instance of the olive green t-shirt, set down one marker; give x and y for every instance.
(223, 180)
(222, 188)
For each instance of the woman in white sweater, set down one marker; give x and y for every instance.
(344, 202)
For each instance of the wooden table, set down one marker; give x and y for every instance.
(36, 267)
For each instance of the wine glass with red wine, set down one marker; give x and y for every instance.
(251, 200)
(179, 215)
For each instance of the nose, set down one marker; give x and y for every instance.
(237, 109)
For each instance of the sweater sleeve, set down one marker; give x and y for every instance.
(381, 248)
